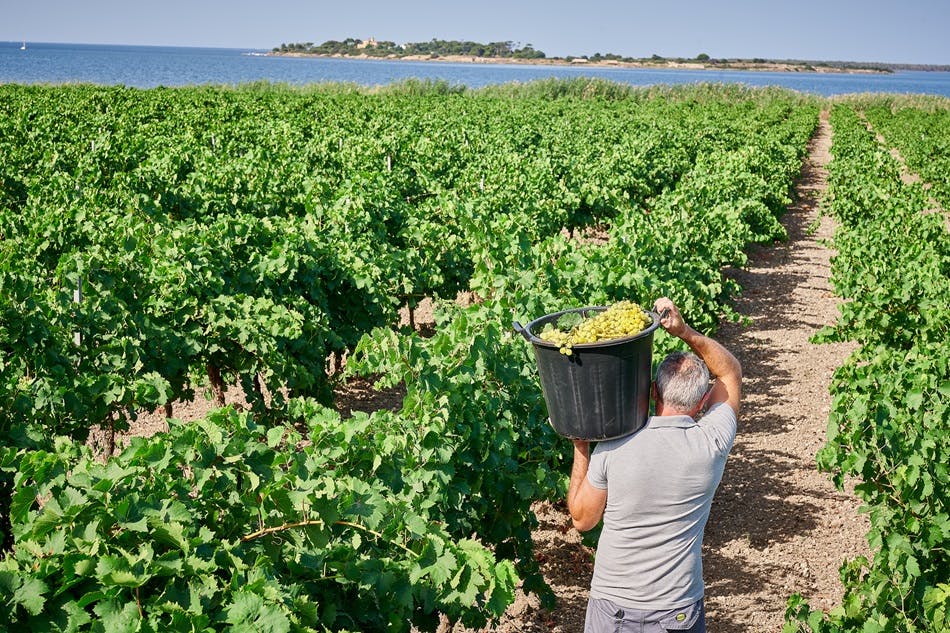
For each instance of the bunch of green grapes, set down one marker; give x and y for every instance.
(620, 320)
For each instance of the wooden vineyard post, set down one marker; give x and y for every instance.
(217, 384)
(258, 386)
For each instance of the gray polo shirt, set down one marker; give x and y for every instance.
(660, 483)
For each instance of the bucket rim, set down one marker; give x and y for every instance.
(538, 342)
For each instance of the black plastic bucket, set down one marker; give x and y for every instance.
(602, 390)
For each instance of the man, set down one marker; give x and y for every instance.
(654, 489)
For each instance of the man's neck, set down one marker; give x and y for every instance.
(662, 410)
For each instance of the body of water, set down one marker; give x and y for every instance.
(151, 66)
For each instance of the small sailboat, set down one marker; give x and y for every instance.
(23, 48)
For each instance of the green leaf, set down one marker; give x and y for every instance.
(872, 626)
(114, 570)
(912, 567)
(76, 617)
(274, 436)
(915, 399)
(249, 613)
(416, 525)
(117, 617)
(31, 595)
(503, 587)
(91, 598)
(171, 533)
(244, 607)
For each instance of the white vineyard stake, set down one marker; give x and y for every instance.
(77, 298)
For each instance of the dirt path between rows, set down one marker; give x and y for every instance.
(777, 526)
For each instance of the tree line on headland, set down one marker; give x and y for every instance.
(508, 50)
(434, 47)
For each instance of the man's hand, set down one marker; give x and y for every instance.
(673, 321)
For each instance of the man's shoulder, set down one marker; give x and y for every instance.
(719, 411)
(720, 424)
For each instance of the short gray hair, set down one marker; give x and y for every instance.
(682, 379)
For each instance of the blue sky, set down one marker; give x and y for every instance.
(909, 31)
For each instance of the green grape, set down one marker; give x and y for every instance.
(620, 320)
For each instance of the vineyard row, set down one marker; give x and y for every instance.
(890, 420)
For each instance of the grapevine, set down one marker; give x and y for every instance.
(890, 421)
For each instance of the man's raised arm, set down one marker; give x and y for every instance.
(720, 361)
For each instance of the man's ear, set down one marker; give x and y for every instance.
(702, 403)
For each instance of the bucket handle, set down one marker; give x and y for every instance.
(520, 329)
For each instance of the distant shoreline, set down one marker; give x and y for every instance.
(741, 65)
